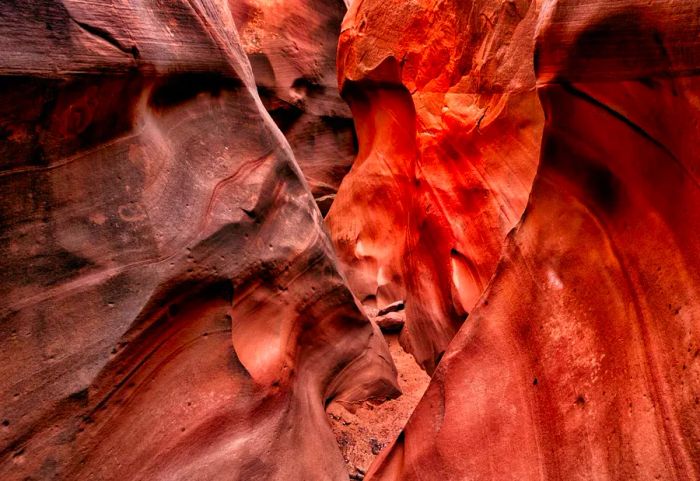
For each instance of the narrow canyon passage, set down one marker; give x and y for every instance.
(419, 219)
(444, 169)
(364, 429)
(327, 240)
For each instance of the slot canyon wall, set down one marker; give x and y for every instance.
(449, 128)
(582, 358)
(291, 46)
(509, 190)
(171, 306)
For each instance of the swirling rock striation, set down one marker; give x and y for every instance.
(170, 304)
(582, 358)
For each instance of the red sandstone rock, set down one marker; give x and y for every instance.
(448, 127)
(291, 45)
(170, 305)
(393, 307)
(391, 322)
(582, 360)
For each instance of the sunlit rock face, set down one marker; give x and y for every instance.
(292, 45)
(170, 305)
(582, 359)
(449, 128)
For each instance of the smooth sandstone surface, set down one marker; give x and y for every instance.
(582, 358)
(449, 129)
(171, 307)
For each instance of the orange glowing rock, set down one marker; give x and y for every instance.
(448, 127)
(582, 359)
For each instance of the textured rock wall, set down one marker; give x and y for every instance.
(582, 358)
(292, 45)
(171, 307)
(449, 129)
(170, 303)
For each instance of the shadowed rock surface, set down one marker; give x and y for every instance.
(171, 308)
(291, 45)
(449, 129)
(582, 358)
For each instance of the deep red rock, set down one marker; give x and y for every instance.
(582, 359)
(171, 307)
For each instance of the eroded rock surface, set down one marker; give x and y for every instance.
(582, 360)
(170, 305)
(364, 429)
(292, 45)
(449, 128)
